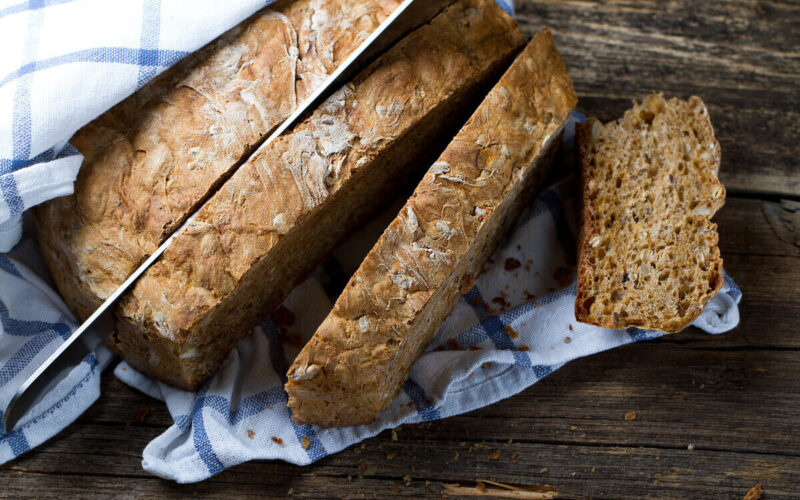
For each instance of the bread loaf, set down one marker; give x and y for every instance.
(282, 211)
(150, 160)
(648, 252)
(432, 252)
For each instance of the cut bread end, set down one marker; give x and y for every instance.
(648, 251)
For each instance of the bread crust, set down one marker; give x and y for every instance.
(284, 209)
(151, 159)
(430, 255)
(588, 135)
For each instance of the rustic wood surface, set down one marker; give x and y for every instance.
(714, 415)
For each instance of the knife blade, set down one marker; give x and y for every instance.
(409, 15)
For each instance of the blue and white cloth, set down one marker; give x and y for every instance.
(513, 328)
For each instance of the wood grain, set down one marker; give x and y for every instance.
(734, 398)
(741, 57)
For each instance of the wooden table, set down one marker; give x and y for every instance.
(715, 415)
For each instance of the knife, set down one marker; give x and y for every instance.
(87, 337)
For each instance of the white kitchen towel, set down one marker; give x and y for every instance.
(513, 328)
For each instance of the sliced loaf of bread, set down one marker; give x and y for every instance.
(430, 255)
(648, 251)
(292, 201)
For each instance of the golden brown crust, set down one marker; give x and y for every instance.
(150, 159)
(283, 210)
(648, 255)
(430, 254)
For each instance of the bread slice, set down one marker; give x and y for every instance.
(648, 254)
(283, 211)
(151, 159)
(432, 252)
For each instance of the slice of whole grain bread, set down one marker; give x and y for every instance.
(648, 251)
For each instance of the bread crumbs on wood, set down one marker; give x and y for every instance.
(514, 458)
(142, 413)
(631, 415)
(754, 493)
(496, 455)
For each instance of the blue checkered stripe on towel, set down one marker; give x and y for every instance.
(28, 337)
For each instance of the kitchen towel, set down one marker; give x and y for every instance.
(513, 328)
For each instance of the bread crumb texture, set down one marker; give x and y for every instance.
(648, 251)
